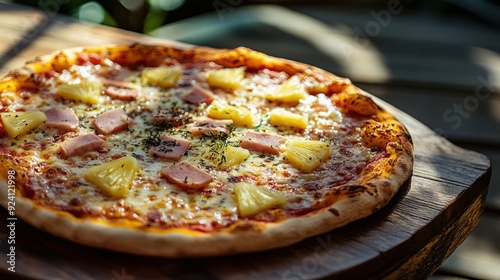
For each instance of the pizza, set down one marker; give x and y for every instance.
(187, 152)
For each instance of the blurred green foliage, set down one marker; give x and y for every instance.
(135, 15)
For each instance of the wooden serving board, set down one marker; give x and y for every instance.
(408, 239)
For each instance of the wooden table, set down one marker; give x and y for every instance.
(408, 239)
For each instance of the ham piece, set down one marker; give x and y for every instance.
(170, 148)
(173, 117)
(186, 175)
(81, 145)
(262, 142)
(121, 93)
(207, 125)
(112, 121)
(63, 119)
(120, 89)
(199, 95)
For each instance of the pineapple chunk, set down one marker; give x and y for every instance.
(282, 117)
(306, 155)
(17, 123)
(252, 200)
(165, 77)
(230, 156)
(228, 78)
(87, 92)
(291, 91)
(114, 177)
(241, 116)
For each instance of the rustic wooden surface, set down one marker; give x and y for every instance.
(431, 215)
(27, 33)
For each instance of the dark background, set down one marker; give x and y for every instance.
(145, 15)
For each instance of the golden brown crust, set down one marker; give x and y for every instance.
(378, 182)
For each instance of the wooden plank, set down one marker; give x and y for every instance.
(462, 116)
(478, 257)
(361, 44)
(18, 24)
(424, 47)
(424, 26)
(19, 28)
(56, 33)
(437, 250)
(493, 198)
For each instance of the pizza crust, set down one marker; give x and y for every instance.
(240, 238)
(378, 182)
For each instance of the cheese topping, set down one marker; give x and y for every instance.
(136, 111)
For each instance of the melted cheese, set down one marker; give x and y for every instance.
(154, 201)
